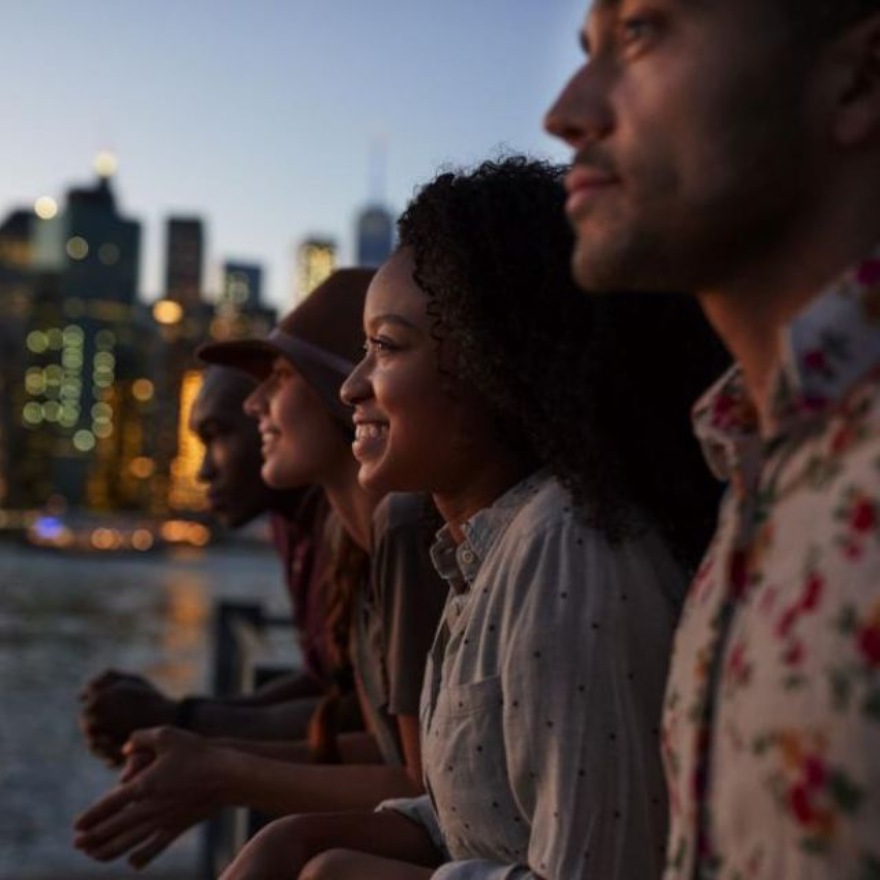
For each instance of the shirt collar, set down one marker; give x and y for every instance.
(458, 564)
(826, 350)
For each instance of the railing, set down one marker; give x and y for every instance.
(244, 657)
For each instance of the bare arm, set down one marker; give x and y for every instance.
(178, 779)
(356, 748)
(115, 704)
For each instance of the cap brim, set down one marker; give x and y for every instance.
(256, 357)
(251, 356)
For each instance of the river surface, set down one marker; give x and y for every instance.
(63, 619)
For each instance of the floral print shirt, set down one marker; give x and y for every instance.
(771, 730)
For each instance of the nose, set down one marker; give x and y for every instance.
(357, 387)
(255, 403)
(582, 113)
(207, 470)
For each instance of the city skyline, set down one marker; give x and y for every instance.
(263, 121)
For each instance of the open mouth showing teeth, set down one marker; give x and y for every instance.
(369, 430)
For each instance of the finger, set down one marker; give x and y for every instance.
(147, 739)
(160, 841)
(135, 762)
(110, 805)
(106, 849)
(135, 815)
(107, 677)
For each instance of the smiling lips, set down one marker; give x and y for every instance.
(268, 436)
(369, 439)
(583, 185)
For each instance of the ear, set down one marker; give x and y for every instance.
(856, 58)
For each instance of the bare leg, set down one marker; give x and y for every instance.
(345, 864)
(284, 847)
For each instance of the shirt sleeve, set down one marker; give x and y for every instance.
(410, 595)
(419, 810)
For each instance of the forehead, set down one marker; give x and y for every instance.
(221, 398)
(393, 293)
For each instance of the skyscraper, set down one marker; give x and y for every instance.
(315, 261)
(84, 348)
(374, 227)
(184, 259)
(242, 286)
(375, 235)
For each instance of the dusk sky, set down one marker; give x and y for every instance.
(259, 116)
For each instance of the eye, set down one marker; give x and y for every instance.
(635, 30)
(378, 344)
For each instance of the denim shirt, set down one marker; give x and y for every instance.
(542, 695)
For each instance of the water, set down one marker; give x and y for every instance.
(63, 619)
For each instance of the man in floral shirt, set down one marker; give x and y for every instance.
(732, 148)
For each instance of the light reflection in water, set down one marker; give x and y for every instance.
(62, 620)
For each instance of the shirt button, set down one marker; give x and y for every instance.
(467, 556)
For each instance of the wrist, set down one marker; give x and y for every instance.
(184, 711)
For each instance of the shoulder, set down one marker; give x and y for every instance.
(551, 543)
(403, 513)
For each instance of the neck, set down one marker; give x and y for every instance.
(751, 310)
(479, 490)
(352, 504)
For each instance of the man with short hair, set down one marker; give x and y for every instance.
(115, 704)
(732, 148)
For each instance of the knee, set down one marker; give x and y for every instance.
(324, 866)
(279, 851)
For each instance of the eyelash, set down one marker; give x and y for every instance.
(374, 343)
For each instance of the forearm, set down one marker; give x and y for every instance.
(280, 788)
(356, 748)
(292, 686)
(225, 718)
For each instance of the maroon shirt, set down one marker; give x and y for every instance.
(298, 538)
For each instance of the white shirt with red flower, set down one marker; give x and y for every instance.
(771, 731)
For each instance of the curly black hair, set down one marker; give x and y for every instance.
(597, 388)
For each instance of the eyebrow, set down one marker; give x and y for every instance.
(392, 318)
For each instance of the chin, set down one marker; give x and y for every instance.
(374, 480)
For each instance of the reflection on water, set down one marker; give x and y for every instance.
(64, 618)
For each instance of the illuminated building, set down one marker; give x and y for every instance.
(85, 341)
(240, 310)
(184, 257)
(16, 253)
(242, 286)
(184, 491)
(315, 261)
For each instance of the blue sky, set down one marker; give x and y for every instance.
(259, 116)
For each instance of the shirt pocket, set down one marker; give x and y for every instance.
(466, 768)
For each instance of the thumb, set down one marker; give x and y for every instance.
(135, 762)
(149, 739)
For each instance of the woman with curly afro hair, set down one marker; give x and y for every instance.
(552, 429)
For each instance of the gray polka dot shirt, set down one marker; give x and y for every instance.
(542, 696)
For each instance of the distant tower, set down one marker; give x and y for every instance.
(315, 261)
(375, 223)
(184, 257)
